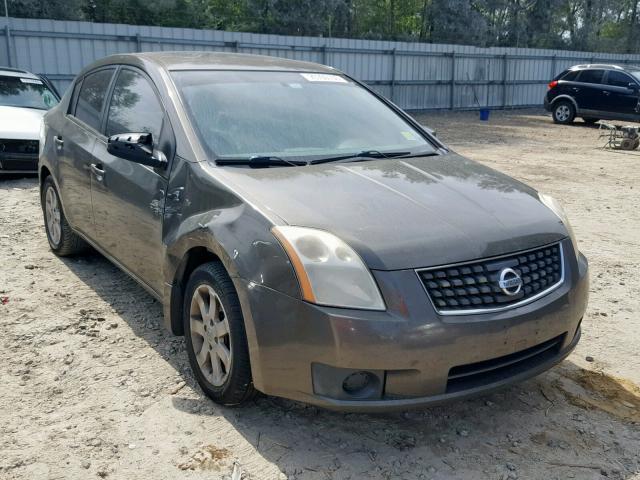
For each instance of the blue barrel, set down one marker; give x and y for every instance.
(484, 114)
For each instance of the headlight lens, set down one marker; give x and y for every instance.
(557, 208)
(330, 272)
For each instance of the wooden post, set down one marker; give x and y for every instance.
(452, 90)
(505, 76)
(393, 73)
(7, 33)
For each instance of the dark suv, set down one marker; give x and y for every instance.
(594, 92)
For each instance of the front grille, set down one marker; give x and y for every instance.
(22, 147)
(472, 375)
(473, 287)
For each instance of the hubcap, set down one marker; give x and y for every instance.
(562, 113)
(210, 335)
(52, 212)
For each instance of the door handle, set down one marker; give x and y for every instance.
(606, 92)
(575, 89)
(176, 194)
(97, 171)
(58, 140)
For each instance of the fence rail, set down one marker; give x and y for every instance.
(417, 76)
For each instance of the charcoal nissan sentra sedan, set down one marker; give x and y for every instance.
(307, 237)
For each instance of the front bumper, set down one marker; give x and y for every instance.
(298, 349)
(18, 163)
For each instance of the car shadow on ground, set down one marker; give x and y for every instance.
(553, 426)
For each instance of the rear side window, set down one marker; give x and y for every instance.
(618, 79)
(591, 76)
(134, 106)
(571, 76)
(92, 96)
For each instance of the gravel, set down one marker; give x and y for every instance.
(88, 371)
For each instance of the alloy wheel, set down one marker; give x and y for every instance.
(52, 212)
(210, 335)
(562, 113)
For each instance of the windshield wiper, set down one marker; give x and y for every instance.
(258, 161)
(365, 155)
(430, 153)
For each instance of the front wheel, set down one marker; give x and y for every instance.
(215, 336)
(564, 112)
(62, 239)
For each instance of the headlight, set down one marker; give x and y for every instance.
(43, 137)
(330, 272)
(557, 208)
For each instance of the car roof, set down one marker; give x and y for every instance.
(15, 72)
(219, 61)
(586, 66)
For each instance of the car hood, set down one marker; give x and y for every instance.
(410, 213)
(20, 123)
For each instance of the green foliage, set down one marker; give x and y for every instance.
(595, 25)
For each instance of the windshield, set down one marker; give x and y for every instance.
(291, 115)
(636, 74)
(26, 93)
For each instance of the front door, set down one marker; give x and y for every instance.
(74, 146)
(128, 198)
(622, 94)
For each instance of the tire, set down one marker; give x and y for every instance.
(63, 240)
(208, 339)
(563, 112)
(590, 121)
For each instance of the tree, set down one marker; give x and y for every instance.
(592, 25)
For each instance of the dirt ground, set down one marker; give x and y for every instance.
(93, 387)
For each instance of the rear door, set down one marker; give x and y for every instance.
(621, 98)
(128, 198)
(588, 90)
(74, 147)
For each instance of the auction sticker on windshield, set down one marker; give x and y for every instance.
(31, 80)
(323, 77)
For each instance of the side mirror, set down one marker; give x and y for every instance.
(135, 147)
(633, 86)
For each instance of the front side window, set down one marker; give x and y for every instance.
(26, 93)
(591, 76)
(92, 96)
(134, 106)
(291, 115)
(619, 79)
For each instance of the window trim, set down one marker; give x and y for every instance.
(73, 106)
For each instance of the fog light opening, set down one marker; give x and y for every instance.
(359, 384)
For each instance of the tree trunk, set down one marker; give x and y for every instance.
(633, 20)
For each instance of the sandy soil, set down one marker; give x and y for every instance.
(93, 387)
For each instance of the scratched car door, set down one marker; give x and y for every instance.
(128, 198)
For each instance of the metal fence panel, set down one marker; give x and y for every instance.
(416, 76)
